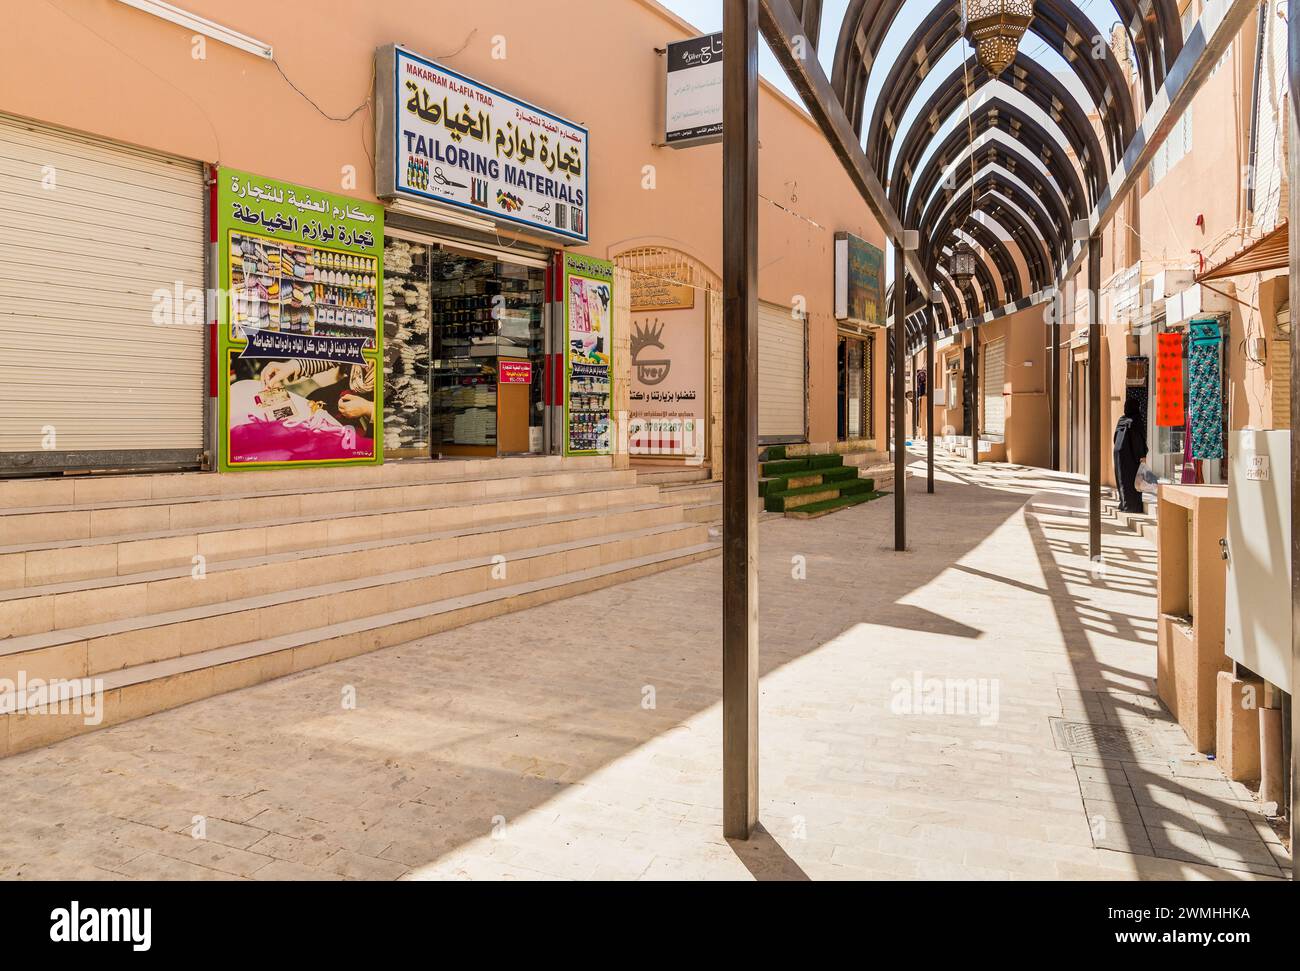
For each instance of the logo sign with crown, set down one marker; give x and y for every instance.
(649, 371)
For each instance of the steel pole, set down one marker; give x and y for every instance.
(929, 399)
(900, 401)
(1094, 399)
(740, 419)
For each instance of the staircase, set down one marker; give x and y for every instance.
(808, 486)
(694, 489)
(175, 587)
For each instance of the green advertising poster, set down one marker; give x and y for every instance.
(300, 325)
(588, 319)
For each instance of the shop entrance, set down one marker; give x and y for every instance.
(854, 360)
(465, 361)
(673, 306)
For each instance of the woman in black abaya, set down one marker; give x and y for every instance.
(1130, 452)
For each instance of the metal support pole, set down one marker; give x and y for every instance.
(975, 394)
(1054, 387)
(1293, 167)
(900, 402)
(1094, 399)
(929, 399)
(740, 419)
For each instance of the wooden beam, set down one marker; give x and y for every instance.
(974, 396)
(740, 419)
(797, 55)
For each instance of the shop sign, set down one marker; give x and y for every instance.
(515, 372)
(652, 293)
(588, 315)
(859, 280)
(442, 137)
(693, 92)
(669, 381)
(300, 330)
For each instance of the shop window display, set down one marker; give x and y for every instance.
(454, 320)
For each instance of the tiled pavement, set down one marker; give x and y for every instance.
(913, 712)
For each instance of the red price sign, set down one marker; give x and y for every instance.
(515, 372)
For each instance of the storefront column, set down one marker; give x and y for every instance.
(740, 419)
(1094, 399)
(1054, 383)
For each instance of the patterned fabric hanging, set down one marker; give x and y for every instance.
(1205, 392)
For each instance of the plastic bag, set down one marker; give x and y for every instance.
(1146, 480)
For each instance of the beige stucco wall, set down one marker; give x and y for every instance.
(99, 66)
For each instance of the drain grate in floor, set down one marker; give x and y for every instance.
(1104, 741)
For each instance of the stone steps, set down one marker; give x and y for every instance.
(99, 600)
(145, 688)
(53, 559)
(242, 584)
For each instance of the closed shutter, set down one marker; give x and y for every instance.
(993, 372)
(782, 353)
(90, 359)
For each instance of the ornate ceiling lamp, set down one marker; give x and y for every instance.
(994, 28)
(961, 264)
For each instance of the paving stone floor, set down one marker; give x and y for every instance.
(979, 707)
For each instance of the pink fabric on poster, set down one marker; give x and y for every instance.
(270, 441)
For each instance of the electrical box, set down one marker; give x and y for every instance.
(1257, 609)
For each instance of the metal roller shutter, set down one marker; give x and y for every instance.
(782, 370)
(993, 372)
(93, 370)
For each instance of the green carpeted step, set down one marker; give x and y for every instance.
(825, 461)
(784, 467)
(773, 453)
(788, 498)
(815, 509)
(789, 480)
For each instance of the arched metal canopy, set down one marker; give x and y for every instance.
(997, 113)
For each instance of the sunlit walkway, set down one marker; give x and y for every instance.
(918, 713)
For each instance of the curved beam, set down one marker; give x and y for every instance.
(1058, 22)
(996, 115)
(1037, 84)
(1013, 286)
(952, 207)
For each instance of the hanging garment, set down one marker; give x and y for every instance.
(1205, 391)
(1169, 380)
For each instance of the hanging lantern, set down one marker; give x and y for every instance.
(994, 28)
(961, 265)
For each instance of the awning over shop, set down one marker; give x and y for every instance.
(1269, 252)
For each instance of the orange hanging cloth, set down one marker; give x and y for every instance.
(1169, 380)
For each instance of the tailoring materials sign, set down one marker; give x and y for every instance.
(444, 138)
